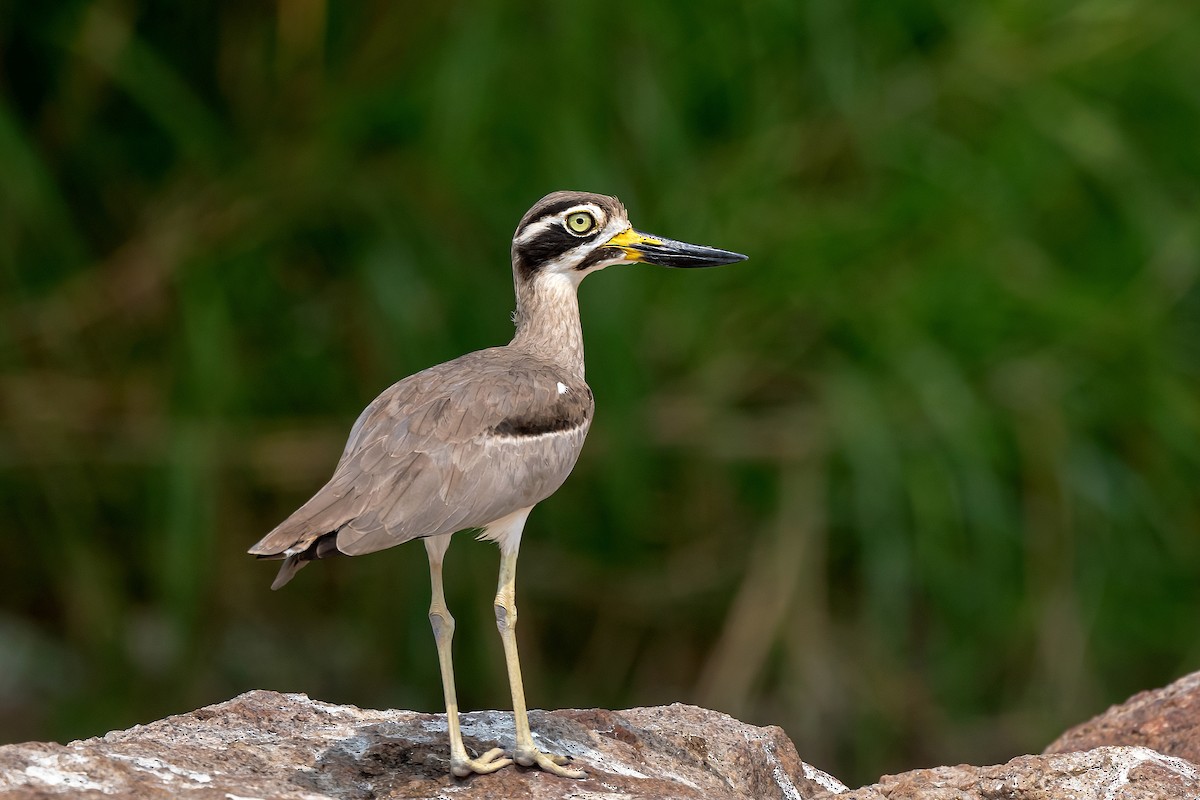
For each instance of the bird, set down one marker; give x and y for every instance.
(478, 441)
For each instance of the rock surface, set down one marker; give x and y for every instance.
(1106, 773)
(268, 745)
(1166, 720)
(1147, 747)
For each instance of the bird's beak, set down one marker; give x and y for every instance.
(647, 249)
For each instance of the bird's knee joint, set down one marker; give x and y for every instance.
(442, 622)
(506, 617)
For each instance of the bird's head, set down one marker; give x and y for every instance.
(576, 233)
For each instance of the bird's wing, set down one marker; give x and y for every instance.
(456, 446)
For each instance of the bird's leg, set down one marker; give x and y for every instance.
(525, 753)
(443, 632)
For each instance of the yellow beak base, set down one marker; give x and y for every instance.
(628, 240)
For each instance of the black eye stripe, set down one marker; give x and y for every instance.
(548, 245)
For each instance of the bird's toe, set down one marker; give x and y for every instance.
(547, 762)
(489, 762)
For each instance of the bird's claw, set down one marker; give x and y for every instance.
(486, 763)
(548, 762)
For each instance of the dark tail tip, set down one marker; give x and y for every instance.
(287, 570)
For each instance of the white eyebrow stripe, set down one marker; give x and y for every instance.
(534, 228)
(545, 223)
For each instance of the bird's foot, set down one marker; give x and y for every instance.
(532, 757)
(488, 762)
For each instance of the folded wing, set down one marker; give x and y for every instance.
(456, 446)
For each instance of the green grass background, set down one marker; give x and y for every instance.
(917, 482)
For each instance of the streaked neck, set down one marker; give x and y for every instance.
(547, 320)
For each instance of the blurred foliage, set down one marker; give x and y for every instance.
(918, 482)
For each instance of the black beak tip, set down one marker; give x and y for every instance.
(720, 258)
(670, 253)
(710, 257)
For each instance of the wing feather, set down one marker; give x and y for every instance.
(458, 445)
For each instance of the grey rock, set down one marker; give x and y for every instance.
(1166, 720)
(1105, 773)
(1147, 748)
(269, 745)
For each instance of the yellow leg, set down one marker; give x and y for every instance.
(525, 753)
(443, 632)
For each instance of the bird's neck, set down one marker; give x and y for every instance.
(547, 320)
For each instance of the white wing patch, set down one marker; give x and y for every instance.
(562, 388)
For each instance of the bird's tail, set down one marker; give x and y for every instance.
(287, 570)
(324, 546)
(309, 533)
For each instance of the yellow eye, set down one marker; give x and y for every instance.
(580, 222)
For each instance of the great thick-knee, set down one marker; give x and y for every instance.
(478, 441)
